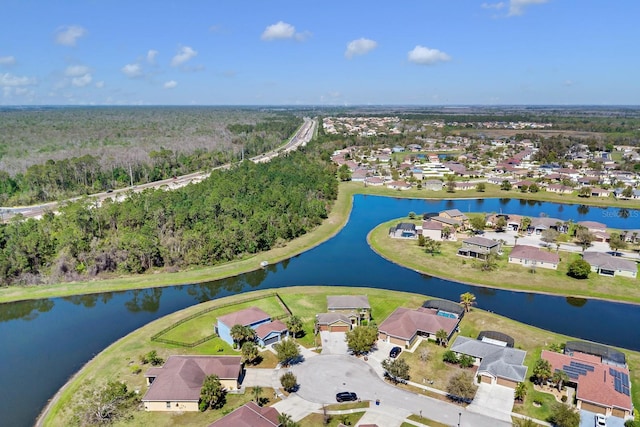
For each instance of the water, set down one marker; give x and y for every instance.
(46, 341)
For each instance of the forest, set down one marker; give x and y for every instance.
(60, 153)
(245, 210)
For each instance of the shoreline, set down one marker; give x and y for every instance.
(335, 222)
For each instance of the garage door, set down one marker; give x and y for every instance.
(593, 408)
(485, 379)
(507, 383)
(616, 412)
(338, 328)
(272, 340)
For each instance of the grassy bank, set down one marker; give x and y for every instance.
(336, 220)
(117, 361)
(447, 264)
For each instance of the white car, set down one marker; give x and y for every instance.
(601, 420)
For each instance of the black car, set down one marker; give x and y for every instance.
(346, 396)
(395, 352)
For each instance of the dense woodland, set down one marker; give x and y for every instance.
(60, 153)
(248, 209)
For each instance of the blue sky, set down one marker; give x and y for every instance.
(349, 52)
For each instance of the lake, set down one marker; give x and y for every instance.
(46, 341)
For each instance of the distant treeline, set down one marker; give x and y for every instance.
(55, 180)
(245, 210)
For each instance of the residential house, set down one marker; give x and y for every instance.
(497, 362)
(271, 332)
(374, 181)
(601, 387)
(355, 307)
(608, 265)
(398, 185)
(559, 188)
(432, 184)
(600, 192)
(405, 326)
(252, 317)
(433, 230)
(513, 221)
(333, 322)
(175, 387)
(250, 415)
(593, 226)
(533, 257)
(463, 186)
(479, 247)
(404, 230)
(539, 224)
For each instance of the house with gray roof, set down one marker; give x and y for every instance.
(479, 247)
(333, 322)
(608, 265)
(404, 230)
(497, 363)
(355, 307)
(175, 386)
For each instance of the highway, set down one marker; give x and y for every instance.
(302, 136)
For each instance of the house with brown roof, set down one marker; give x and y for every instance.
(176, 385)
(404, 326)
(355, 307)
(479, 247)
(533, 257)
(250, 415)
(608, 265)
(600, 387)
(432, 229)
(271, 332)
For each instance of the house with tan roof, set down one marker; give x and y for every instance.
(333, 322)
(533, 257)
(600, 387)
(432, 229)
(608, 265)
(404, 326)
(355, 307)
(176, 385)
(250, 415)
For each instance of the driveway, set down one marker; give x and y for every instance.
(320, 378)
(493, 400)
(587, 419)
(334, 343)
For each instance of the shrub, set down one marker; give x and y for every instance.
(450, 357)
(136, 369)
(564, 398)
(466, 361)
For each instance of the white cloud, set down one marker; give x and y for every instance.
(516, 7)
(7, 60)
(132, 70)
(76, 70)
(184, 54)
(68, 36)
(151, 56)
(9, 80)
(496, 6)
(82, 81)
(360, 47)
(282, 30)
(426, 56)
(170, 84)
(100, 84)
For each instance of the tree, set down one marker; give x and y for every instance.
(467, 300)
(256, 392)
(446, 232)
(501, 223)
(627, 192)
(549, 236)
(506, 185)
(616, 241)
(294, 325)
(442, 337)
(432, 246)
(542, 371)
(286, 351)
(449, 356)
(396, 369)
(105, 403)
(564, 416)
(559, 378)
(466, 361)
(152, 358)
(249, 352)
(344, 173)
(525, 222)
(524, 422)
(477, 223)
(361, 339)
(520, 392)
(579, 269)
(451, 184)
(534, 188)
(240, 334)
(412, 215)
(289, 382)
(212, 394)
(461, 385)
(421, 240)
(285, 421)
(584, 238)
(481, 187)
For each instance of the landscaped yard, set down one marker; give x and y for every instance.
(447, 264)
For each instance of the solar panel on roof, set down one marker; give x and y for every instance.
(617, 385)
(625, 391)
(575, 369)
(582, 365)
(614, 372)
(625, 379)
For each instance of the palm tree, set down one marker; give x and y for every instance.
(524, 422)
(256, 393)
(559, 377)
(520, 392)
(442, 337)
(237, 333)
(285, 420)
(467, 300)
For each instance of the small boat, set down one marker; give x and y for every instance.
(263, 264)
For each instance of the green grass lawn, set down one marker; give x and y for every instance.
(116, 362)
(315, 420)
(447, 264)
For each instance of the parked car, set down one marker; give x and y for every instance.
(615, 253)
(346, 396)
(601, 420)
(395, 352)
